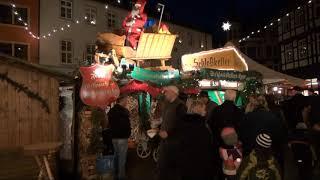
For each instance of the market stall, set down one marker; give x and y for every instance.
(32, 118)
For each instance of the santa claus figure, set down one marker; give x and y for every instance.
(134, 23)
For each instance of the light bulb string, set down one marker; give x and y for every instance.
(271, 24)
(54, 30)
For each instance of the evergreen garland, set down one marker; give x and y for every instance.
(21, 87)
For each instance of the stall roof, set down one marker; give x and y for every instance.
(269, 75)
(4, 59)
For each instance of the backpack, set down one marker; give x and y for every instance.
(256, 169)
(262, 173)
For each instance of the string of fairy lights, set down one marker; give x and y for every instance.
(54, 30)
(86, 19)
(270, 24)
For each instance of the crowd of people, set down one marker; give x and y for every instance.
(260, 141)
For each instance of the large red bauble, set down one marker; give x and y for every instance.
(98, 90)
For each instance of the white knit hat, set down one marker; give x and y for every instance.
(264, 140)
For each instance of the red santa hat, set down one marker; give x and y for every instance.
(141, 4)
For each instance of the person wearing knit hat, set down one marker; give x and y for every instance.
(230, 152)
(264, 141)
(260, 163)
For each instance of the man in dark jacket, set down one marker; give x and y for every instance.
(226, 115)
(293, 107)
(174, 111)
(196, 158)
(119, 124)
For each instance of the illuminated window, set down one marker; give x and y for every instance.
(66, 9)
(91, 15)
(288, 53)
(66, 52)
(7, 16)
(15, 49)
(302, 48)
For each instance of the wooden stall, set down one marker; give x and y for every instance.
(29, 107)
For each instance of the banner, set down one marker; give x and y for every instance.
(156, 77)
(227, 58)
(98, 90)
(213, 74)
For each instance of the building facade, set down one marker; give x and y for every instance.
(15, 39)
(262, 47)
(299, 37)
(81, 21)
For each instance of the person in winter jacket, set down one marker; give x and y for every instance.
(174, 111)
(261, 119)
(196, 158)
(230, 153)
(260, 164)
(226, 115)
(119, 123)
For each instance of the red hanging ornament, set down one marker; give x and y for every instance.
(98, 90)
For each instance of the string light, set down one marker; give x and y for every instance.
(278, 20)
(54, 30)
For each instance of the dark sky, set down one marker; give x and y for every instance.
(208, 15)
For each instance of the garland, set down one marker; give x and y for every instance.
(21, 87)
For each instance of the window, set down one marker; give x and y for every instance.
(66, 52)
(302, 49)
(286, 24)
(299, 19)
(66, 9)
(91, 15)
(7, 16)
(90, 52)
(111, 20)
(15, 49)
(288, 53)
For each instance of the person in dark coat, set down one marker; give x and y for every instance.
(261, 119)
(226, 115)
(196, 157)
(119, 123)
(173, 112)
(293, 107)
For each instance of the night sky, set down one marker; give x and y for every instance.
(208, 15)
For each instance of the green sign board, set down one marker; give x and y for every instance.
(229, 75)
(156, 77)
